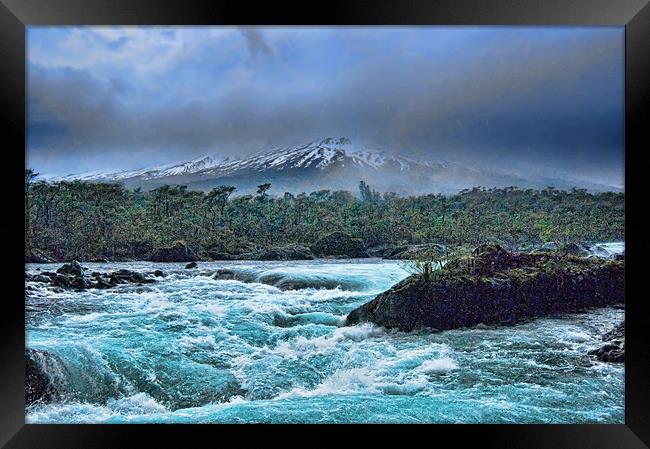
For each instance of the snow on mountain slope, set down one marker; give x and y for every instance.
(324, 164)
(318, 154)
(194, 166)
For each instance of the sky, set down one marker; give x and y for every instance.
(520, 99)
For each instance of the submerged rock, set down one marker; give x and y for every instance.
(339, 244)
(614, 350)
(495, 286)
(225, 274)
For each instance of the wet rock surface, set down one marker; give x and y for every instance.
(495, 286)
(73, 276)
(614, 349)
(44, 376)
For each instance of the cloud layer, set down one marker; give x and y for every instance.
(517, 98)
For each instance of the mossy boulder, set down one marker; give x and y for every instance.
(339, 244)
(494, 286)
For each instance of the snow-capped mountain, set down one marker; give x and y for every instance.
(317, 155)
(195, 165)
(330, 163)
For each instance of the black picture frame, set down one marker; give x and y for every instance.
(15, 15)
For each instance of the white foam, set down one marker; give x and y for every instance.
(131, 407)
(440, 365)
(138, 404)
(215, 309)
(199, 342)
(576, 336)
(87, 318)
(341, 382)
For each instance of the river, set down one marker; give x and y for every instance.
(193, 349)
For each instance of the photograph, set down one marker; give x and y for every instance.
(325, 224)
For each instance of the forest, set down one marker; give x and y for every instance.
(86, 221)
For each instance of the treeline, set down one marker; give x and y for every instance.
(79, 220)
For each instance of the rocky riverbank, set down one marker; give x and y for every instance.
(495, 286)
(73, 276)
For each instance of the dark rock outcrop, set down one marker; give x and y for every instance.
(178, 252)
(225, 274)
(190, 265)
(124, 276)
(44, 376)
(339, 244)
(287, 252)
(413, 251)
(383, 251)
(73, 268)
(576, 249)
(284, 252)
(494, 286)
(614, 348)
(73, 276)
(221, 255)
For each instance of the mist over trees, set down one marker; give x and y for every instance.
(79, 220)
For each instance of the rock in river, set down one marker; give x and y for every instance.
(45, 376)
(495, 286)
(73, 268)
(74, 276)
(614, 348)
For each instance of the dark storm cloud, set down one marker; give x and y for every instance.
(518, 100)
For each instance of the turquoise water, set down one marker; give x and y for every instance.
(192, 349)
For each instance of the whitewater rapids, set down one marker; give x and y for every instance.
(269, 345)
